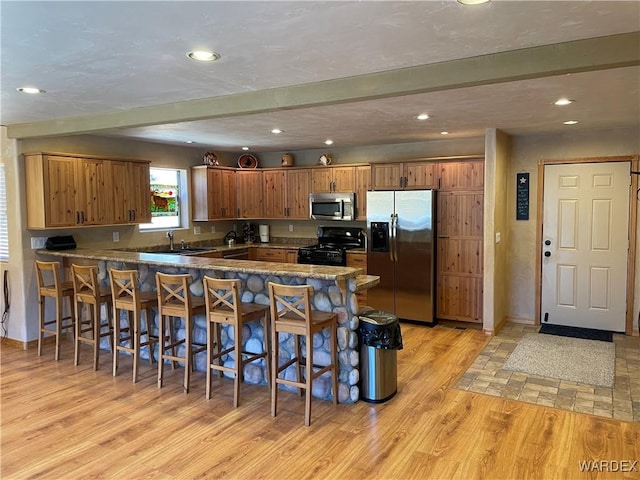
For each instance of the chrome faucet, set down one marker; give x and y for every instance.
(170, 235)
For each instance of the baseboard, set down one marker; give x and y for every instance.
(12, 343)
(523, 321)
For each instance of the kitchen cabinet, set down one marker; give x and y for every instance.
(286, 193)
(333, 179)
(266, 254)
(249, 193)
(358, 260)
(131, 192)
(213, 193)
(403, 176)
(460, 241)
(362, 185)
(461, 175)
(291, 255)
(65, 190)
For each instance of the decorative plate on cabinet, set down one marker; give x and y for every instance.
(247, 160)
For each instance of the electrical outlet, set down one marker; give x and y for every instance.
(116, 236)
(498, 237)
(197, 230)
(213, 229)
(291, 228)
(38, 242)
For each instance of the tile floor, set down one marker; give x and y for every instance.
(621, 402)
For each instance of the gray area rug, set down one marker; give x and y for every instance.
(574, 359)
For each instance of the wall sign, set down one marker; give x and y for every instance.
(522, 196)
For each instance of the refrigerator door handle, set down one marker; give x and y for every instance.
(394, 235)
(391, 237)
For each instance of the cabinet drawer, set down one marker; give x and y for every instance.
(271, 255)
(357, 260)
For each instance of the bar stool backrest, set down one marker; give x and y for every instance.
(174, 298)
(222, 297)
(48, 278)
(291, 302)
(124, 289)
(85, 282)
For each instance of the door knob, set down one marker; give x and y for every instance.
(547, 242)
(547, 254)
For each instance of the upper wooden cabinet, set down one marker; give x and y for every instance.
(333, 179)
(461, 175)
(65, 191)
(131, 192)
(286, 193)
(362, 185)
(213, 193)
(249, 196)
(399, 176)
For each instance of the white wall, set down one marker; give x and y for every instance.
(526, 153)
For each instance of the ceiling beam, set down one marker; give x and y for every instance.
(586, 55)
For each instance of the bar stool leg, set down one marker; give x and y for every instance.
(334, 358)
(116, 339)
(41, 322)
(239, 370)
(135, 343)
(275, 349)
(162, 335)
(187, 354)
(308, 380)
(58, 327)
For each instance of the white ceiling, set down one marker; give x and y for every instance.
(107, 62)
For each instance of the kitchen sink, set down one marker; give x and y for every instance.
(184, 251)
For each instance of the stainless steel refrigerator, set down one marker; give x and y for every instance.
(401, 250)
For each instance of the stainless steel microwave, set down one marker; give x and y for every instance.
(332, 206)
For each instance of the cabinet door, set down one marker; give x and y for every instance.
(139, 192)
(419, 175)
(93, 200)
(60, 192)
(343, 179)
(274, 193)
(291, 256)
(249, 194)
(466, 175)
(460, 255)
(362, 185)
(322, 180)
(298, 189)
(120, 185)
(264, 254)
(386, 177)
(359, 260)
(228, 188)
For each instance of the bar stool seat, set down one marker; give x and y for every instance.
(127, 296)
(51, 286)
(291, 313)
(175, 301)
(223, 306)
(87, 291)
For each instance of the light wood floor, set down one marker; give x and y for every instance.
(65, 422)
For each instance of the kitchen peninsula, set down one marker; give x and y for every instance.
(334, 290)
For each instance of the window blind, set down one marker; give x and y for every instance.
(4, 229)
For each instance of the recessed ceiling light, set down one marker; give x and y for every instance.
(423, 116)
(31, 90)
(473, 2)
(328, 141)
(444, 133)
(570, 122)
(203, 55)
(276, 131)
(245, 148)
(561, 102)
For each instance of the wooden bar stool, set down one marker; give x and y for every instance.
(291, 313)
(87, 291)
(127, 296)
(51, 286)
(222, 300)
(175, 300)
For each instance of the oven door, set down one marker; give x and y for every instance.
(331, 206)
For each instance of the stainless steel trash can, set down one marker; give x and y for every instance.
(379, 339)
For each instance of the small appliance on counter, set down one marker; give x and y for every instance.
(264, 233)
(332, 246)
(230, 238)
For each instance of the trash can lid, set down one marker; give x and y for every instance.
(378, 317)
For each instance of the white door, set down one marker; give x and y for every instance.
(585, 245)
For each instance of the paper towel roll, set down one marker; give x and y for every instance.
(264, 233)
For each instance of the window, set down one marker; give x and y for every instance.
(168, 199)
(4, 230)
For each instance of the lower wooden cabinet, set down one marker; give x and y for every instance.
(270, 254)
(359, 260)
